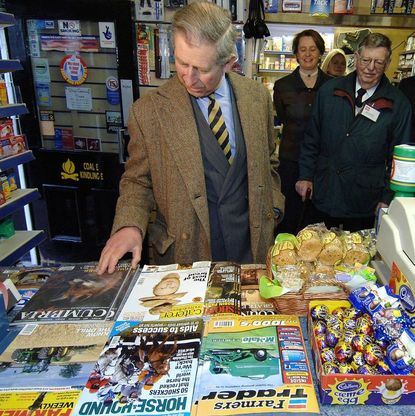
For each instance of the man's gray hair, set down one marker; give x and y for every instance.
(376, 40)
(207, 23)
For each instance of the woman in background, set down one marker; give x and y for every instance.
(293, 98)
(334, 63)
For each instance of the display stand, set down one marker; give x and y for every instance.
(13, 248)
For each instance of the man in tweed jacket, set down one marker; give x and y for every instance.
(206, 208)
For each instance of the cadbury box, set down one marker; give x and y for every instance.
(358, 388)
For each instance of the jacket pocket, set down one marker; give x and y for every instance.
(159, 237)
(366, 193)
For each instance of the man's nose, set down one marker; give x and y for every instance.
(191, 74)
(371, 65)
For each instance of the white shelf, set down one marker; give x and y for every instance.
(13, 248)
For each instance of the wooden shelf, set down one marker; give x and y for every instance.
(19, 198)
(13, 248)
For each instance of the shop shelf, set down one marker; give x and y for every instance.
(10, 65)
(267, 52)
(6, 20)
(276, 71)
(13, 248)
(19, 198)
(13, 110)
(20, 158)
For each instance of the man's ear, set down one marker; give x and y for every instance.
(230, 63)
(387, 64)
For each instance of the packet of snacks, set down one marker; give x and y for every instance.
(332, 252)
(310, 242)
(356, 250)
(289, 277)
(284, 251)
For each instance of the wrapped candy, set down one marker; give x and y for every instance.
(330, 368)
(332, 337)
(364, 326)
(351, 313)
(333, 322)
(319, 327)
(348, 335)
(400, 354)
(339, 313)
(366, 370)
(327, 356)
(390, 323)
(360, 341)
(382, 367)
(318, 312)
(349, 323)
(345, 368)
(357, 360)
(373, 354)
(321, 341)
(343, 351)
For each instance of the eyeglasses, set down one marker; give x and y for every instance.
(379, 63)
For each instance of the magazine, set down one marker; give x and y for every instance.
(27, 280)
(253, 364)
(165, 293)
(37, 372)
(61, 343)
(25, 403)
(223, 293)
(75, 293)
(147, 369)
(251, 301)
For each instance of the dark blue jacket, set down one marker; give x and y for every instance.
(348, 157)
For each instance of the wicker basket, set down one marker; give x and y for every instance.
(297, 303)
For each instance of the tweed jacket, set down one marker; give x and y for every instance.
(165, 171)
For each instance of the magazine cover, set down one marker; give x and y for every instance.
(253, 364)
(27, 280)
(76, 293)
(223, 293)
(165, 292)
(40, 371)
(251, 301)
(37, 403)
(148, 369)
(63, 343)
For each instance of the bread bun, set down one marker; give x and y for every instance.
(333, 251)
(310, 244)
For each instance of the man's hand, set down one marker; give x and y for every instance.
(125, 240)
(379, 206)
(304, 189)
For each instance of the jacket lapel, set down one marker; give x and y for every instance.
(250, 129)
(186, 151)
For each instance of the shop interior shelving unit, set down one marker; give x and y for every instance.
(13, 248)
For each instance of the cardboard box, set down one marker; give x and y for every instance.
(12, 145)
(358, 388)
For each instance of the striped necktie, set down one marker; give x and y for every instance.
(218, 126)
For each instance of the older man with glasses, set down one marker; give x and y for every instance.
(346, 154)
